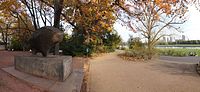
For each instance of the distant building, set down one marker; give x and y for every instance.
(183, 37)
(170, 39)
(173, 38)
(164, 39)
(167, 39)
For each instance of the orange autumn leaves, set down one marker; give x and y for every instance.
(96, 16)
(165, 5)
(9, 8)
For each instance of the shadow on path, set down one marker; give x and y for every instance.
(175, 68)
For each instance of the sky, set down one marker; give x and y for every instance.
(191, 28)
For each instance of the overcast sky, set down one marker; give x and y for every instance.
(191, 28)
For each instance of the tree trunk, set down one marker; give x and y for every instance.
(58, 6)
(6, 41)
(149, 49)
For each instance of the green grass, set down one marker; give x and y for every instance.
(179, 52)
(180, 45)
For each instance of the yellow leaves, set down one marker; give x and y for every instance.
(85, 10)
(1, 21)
(94, 1)
(110, 29)
(173, 1)
(90, 9)
(69, 2)
(166, 8)
(9, 5)
(158, 2)
(157, 17)
(24, 14)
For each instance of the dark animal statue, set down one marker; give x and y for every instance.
(43, 39)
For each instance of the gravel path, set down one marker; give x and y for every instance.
(109, 73)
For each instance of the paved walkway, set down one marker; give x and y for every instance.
(109, 73)
(188, 59)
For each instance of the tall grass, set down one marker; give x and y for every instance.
(179, 52)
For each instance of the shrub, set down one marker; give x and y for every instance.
(135, 54)
(16, 45)
(135, 43)
(1, 43)
(109, 49)
(179, 52)
(71, 48)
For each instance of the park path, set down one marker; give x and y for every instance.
(109, 73)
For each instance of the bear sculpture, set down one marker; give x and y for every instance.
(43, 39)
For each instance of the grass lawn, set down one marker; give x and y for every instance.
(180, 45)
(179, 52)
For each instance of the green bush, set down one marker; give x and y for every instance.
(109, 49)
(16, 45)
(179, 52)
(136, 53)
(75, 49)
(1, 43)
(78, 43)
(135, 43)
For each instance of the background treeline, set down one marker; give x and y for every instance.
(180, 42)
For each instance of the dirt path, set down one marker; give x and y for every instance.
(110, 73)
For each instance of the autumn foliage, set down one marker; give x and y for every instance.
(91, 19)
(153, 18)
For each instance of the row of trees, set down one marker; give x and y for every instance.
(90, 20)
(180, 42)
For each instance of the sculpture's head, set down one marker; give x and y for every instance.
(58, 37)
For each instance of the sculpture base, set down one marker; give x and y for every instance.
(52, 67)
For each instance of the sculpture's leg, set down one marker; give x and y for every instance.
(44, 54)
(45, 51)
(34, 52)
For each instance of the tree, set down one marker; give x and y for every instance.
(58, 7)
(89, 19)
(9, 21)
(111, 39)
(39, 9)
(85, 17)
(196, 3)
(153, 17)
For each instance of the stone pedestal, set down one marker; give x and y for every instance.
(52, 67)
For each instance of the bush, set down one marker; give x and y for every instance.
(77, 44)
(179, 52)
(135, 43)
(135, 54)
(16, 45)
(109, 49)
(1, 43)
(75, 49)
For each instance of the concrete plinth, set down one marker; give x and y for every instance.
(52, 67)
